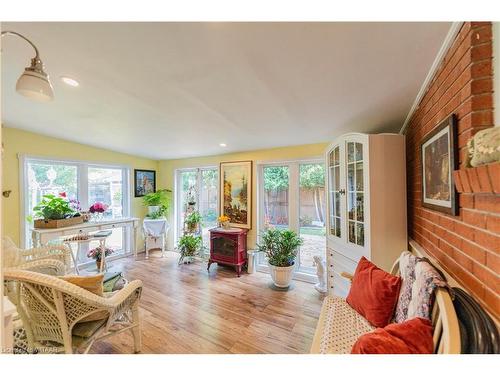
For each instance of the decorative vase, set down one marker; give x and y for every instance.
(98, 264)
(226, 225)
(97, 217)
(282, 276)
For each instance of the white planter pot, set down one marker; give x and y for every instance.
(282, 276)
(153, 209)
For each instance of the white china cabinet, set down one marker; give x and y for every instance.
(366, 203)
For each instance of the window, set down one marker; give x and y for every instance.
(292, 195)
(85, 182)
(197, 187)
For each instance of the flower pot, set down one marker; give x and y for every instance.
(282, 276)
(153, 209)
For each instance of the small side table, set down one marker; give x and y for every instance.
(102, 245)
(155, 232)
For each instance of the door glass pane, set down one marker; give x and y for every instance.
(355, 183)
(334, 194)
(186, 194)
(208, 201)
(106, 186)
(49, 178)
(311, 213)
(276, 186)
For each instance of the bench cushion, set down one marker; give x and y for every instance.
(341, 326)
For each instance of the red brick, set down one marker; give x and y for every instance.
(481, 52)
(473, 179)
(493, 262)
(481, 69)
(484, 179)
(481, 35)
(494, 172)
(474, 251)
(446, 223)
(477, 219)
(486, 276)
(493, 223)
(483, 101)
(487, 202)
(488, 241)
(482, 118)
(492, 302)
(466, 200)
(457, 181)
(464, 231)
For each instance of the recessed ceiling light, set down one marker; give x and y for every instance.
(222, 145)
(70, 81)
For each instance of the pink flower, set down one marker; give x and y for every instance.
(98, 207)
(63, 194)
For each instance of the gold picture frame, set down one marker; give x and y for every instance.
(235, 192)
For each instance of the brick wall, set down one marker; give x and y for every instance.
(468, 245)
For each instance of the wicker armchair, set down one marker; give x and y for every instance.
(52, 312)
(15, 257)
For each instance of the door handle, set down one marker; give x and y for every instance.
(342, 191)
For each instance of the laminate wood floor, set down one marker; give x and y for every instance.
(186, 310)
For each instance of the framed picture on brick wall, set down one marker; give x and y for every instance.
(439, 158)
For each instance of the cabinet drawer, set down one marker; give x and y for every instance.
(340, 264)
(68, 232)
(111, 226)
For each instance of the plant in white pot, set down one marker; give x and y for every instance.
(157, 203)
(280, 247)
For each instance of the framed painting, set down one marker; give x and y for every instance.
(235, 195)
(439, 159)
(144, 182)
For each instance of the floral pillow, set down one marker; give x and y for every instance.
(427, 279)
(407, 262)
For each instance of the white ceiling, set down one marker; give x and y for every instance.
(172, 90)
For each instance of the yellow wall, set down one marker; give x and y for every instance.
(17, 141)
(167, 170)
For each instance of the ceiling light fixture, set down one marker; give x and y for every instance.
(70, 81)
(222, 145)
(34, 83)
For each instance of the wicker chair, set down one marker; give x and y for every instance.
(52, 311)
(15, 257)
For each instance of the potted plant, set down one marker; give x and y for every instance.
(192, 221)
(189, 245)
(55, 212)
(96, 254)
(97, 210)
(280, 247)
(157, 203)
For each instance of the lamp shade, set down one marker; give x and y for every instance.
(35, 85)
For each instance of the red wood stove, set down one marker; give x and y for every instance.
(228, 246)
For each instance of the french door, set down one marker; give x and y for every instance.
(292, 196)
(201, 186)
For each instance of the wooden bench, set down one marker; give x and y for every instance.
(444, 319)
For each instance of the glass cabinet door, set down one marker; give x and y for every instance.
(335, 228)
(355, 194)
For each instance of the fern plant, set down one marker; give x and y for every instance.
(280, 246)
(159, 198)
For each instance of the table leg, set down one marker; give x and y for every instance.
(35, 239)
(73, 257)
(134, 239)
(103, 254)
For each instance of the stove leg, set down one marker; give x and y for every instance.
(209, 264)
(238, 270)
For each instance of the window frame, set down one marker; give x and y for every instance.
(82, 184)
(293, 204)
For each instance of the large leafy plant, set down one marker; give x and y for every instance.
(159, 198)
(280, 246)
(189, 245)
(53, 208)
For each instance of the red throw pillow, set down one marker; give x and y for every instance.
(374, 293)
(411, 337)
